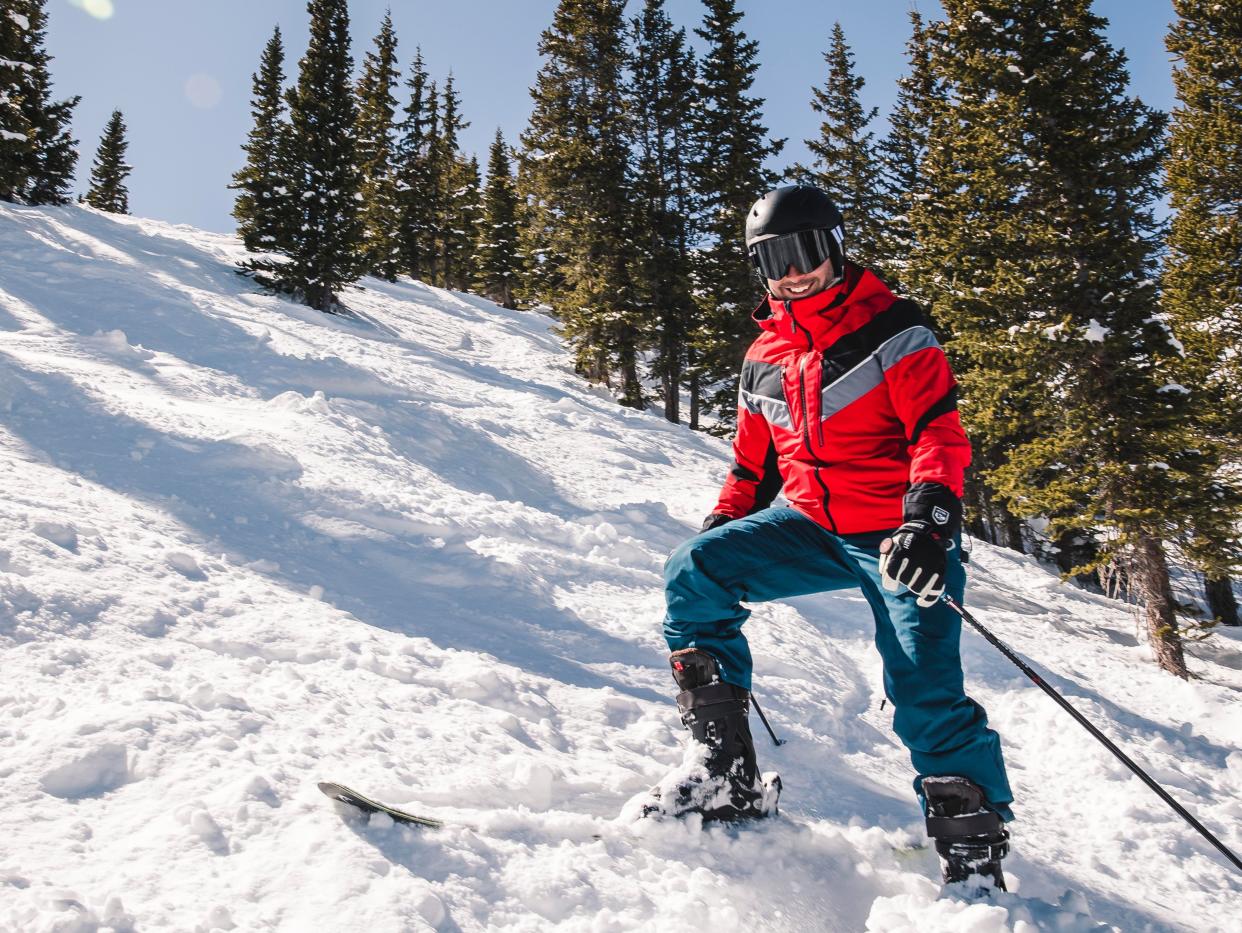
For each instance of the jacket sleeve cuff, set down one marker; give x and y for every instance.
(935, 504)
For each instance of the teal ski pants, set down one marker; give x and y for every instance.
(778, 553)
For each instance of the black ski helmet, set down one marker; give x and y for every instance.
(795, 209)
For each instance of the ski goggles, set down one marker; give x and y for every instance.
(805, 250)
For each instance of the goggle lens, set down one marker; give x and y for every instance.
(805, 250)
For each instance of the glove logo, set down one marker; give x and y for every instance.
(940, 515)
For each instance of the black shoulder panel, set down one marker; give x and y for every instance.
(764, 379)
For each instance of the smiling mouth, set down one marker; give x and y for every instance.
(798, 289)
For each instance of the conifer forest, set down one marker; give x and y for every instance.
(1014, 191)
(621, 465)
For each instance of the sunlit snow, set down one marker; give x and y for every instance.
(246, 547)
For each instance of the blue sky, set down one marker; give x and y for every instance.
(180, 71)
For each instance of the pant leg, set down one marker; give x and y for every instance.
(945, 731)
(773, 554)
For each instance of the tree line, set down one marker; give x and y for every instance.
(349, 176)
(38, 154)
(1015, 194)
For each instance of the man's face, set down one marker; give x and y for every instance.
(797, 284)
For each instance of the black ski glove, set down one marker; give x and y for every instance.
(915, 555)
(715, 520)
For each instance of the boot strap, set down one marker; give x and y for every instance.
(983, 823)
(726, 696)
(977, 849)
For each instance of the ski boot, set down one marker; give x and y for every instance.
(719, 777)
(970, 839)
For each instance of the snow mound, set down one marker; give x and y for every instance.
(246, 547)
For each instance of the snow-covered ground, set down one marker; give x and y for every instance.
(245, 547)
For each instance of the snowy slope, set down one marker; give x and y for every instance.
(245, 547)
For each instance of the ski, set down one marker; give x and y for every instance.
(343, 794)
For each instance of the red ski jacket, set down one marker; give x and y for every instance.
(847, 400)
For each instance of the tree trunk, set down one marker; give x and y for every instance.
(672, 397)
(1222, 604)
(1013, 529)
(1151, 577)
(631, 387)
(976, 511)
(694, 402)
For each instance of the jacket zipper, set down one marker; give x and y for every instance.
(806, 424)
(794, 321)
(827, 499)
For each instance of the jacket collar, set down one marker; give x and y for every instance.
(817, 316)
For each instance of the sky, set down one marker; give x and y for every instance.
(180, 71)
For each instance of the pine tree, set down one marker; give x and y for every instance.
(900, 154)
(38, 154)
(471, 220)
(499, 264)
(415, 184)
(263, 207)
(729, 176)
(969, 260)
(15, 133)
(575, 174)
(1038, 246)
(377, 105)
(325, 248)
(1202, 274)
(109, 171)
(432, 197)
(845, 164)
(457, 199)
(662, 100)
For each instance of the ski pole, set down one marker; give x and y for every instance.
(1086, 724)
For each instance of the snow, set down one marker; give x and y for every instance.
(1095, 332)
(246, 547)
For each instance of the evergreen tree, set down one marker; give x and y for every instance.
(325, 247)
(15, 133)
(109, 171)
(969, 260)
(576, 175)
(415, 182)
(662, 99)
(432, 197)
(263, 208)
(729, 175)
(471, 220)
(38, 154)
(377, 157)
(458, 196)
(1202, 274)
(900, 154)
(1038, 246)
(845, 165)
(500, 261)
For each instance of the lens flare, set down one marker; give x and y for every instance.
(203, 91)
(100, 9)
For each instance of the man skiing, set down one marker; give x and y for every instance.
(848, 403)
